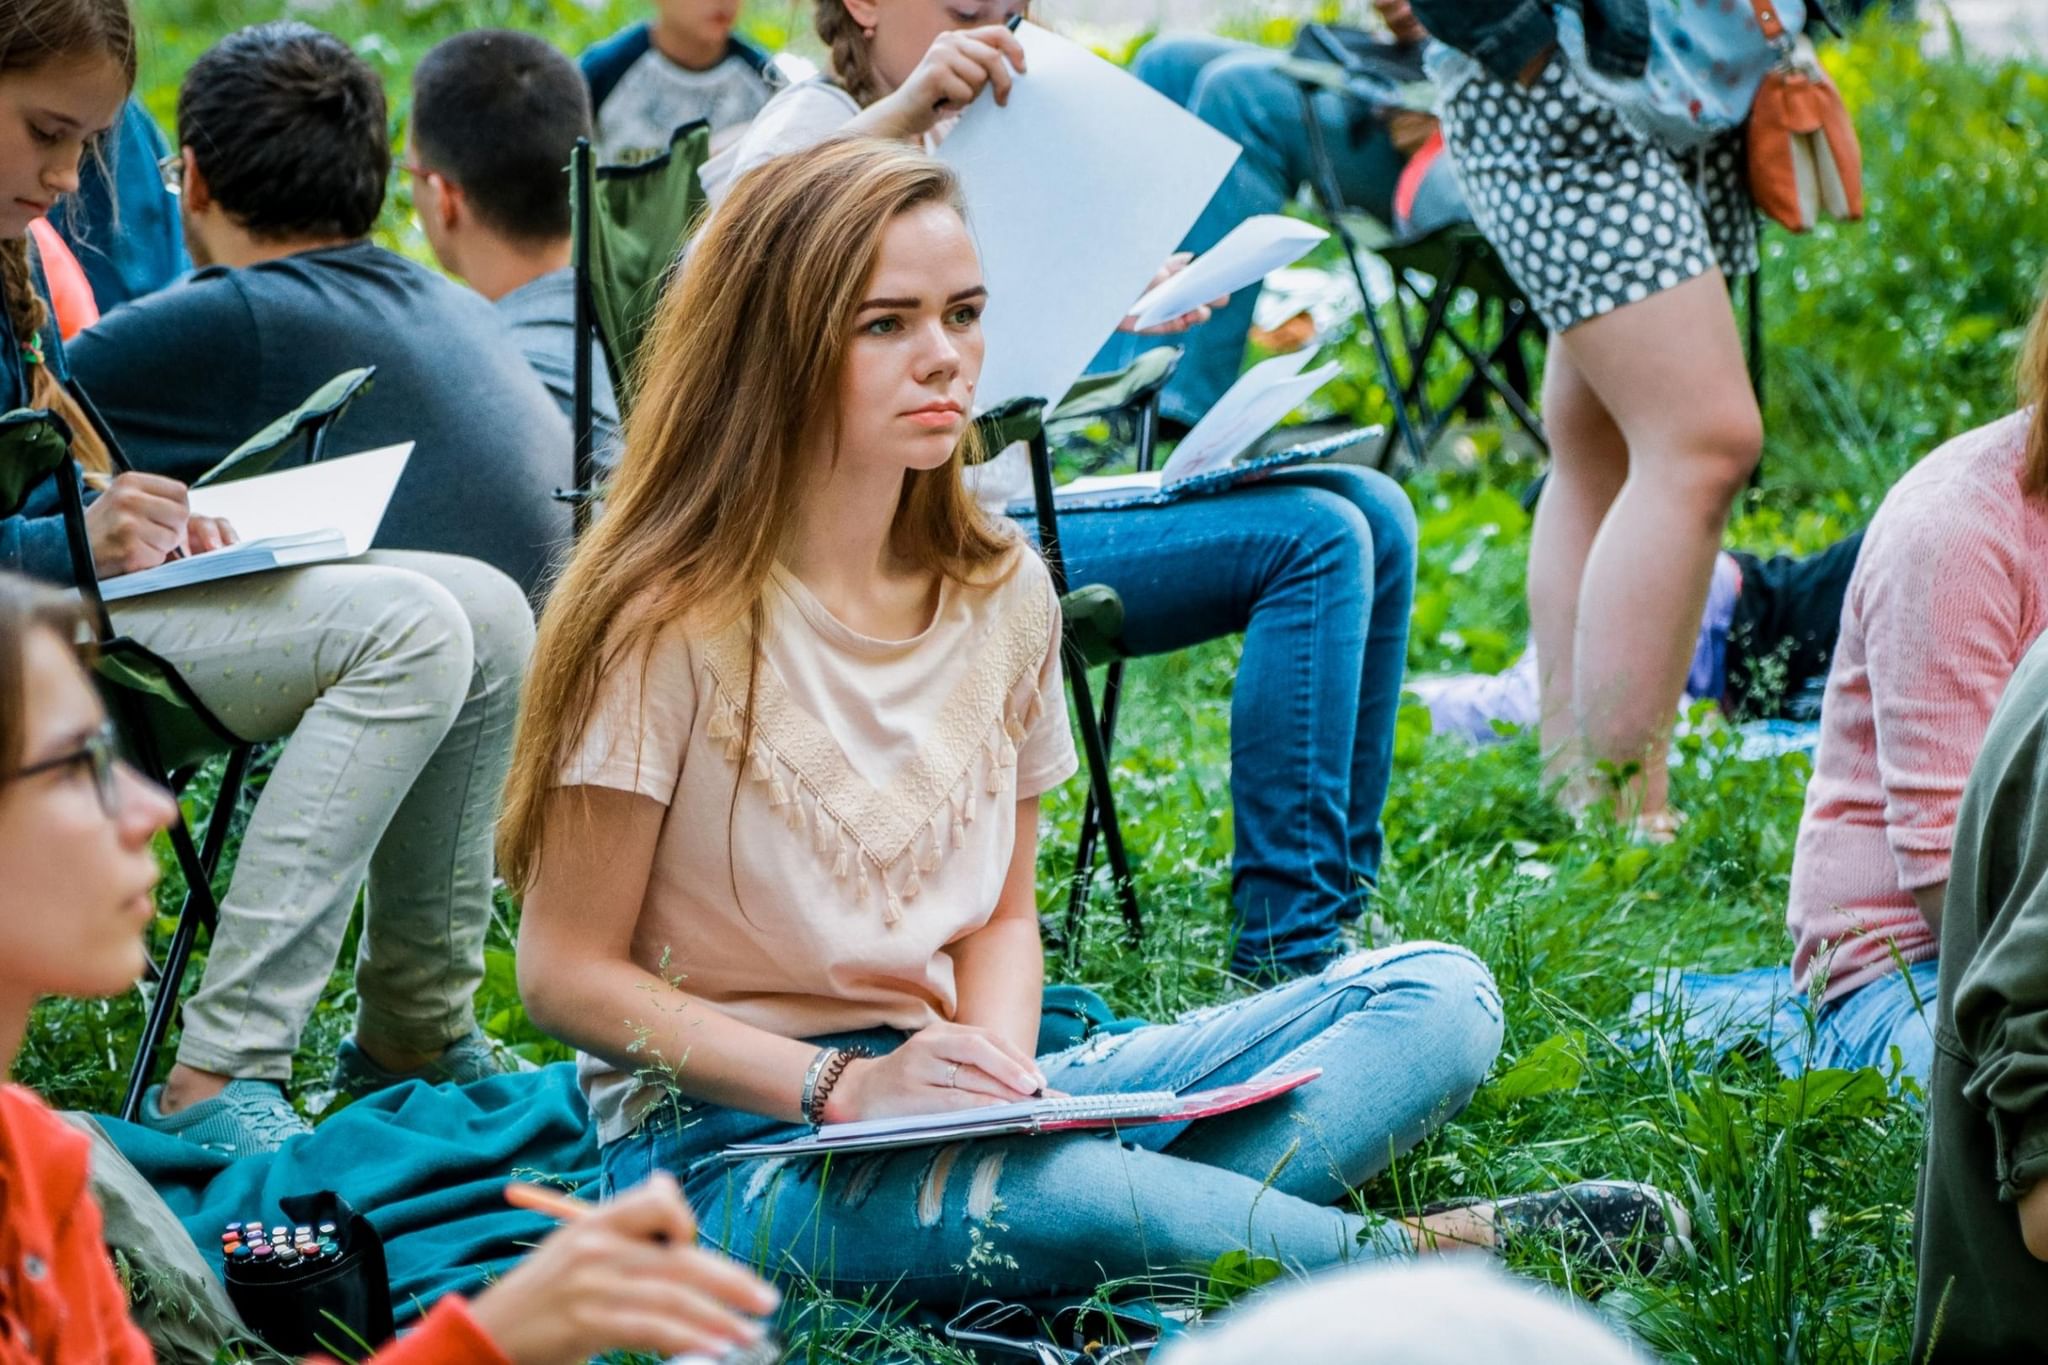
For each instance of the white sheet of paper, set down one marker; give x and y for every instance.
(346, 494)
(1251, 251)
(1249, 409)
(1077, 191)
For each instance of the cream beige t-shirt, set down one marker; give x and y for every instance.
(875, 810)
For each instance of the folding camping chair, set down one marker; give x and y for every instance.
(1432, 270)
(1093, 614)
(166, 730)
(628, 224)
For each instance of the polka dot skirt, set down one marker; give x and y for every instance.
(1587, 216)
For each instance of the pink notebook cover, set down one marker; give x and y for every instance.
(1064, 1114)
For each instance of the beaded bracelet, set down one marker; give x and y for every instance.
(826, 1069)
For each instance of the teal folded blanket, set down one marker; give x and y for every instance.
(427, 1164)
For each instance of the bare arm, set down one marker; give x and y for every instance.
(1929, 899)
(2033, 1207)
(999, 969)
(580, 983)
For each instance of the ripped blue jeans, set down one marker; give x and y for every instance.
(1403, 1035)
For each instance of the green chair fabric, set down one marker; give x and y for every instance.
(1098, 395)
(1094, 617)
(639, 217)
(323, 407)
(33, 445)
(1001, 427)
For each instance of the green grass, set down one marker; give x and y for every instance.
(1884, 340)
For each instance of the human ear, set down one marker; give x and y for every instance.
(198, 197)
(864, 13)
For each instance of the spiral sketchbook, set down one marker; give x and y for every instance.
(1065, 1114)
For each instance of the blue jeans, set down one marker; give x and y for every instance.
(1316, 567)
(1861, 1029)
(1403, 1037)
(1240, 90)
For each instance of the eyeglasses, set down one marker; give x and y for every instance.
(171, 170)
(99, 754)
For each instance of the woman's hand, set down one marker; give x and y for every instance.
(627, 1277)
(955, 68)
(203, 534)
(942, 1066)
(1175, 263)
(137, 522)
(1401, 21)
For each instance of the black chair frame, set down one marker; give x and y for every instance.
(199, 858)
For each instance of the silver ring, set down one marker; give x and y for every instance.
(953, 1077)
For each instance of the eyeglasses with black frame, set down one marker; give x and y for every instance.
(99, 753)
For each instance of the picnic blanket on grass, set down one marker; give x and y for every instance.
(426, 1163)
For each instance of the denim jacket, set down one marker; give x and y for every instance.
(1506, 35)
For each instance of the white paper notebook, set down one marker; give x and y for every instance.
(1249, 409)
(1253, 250)
(310, 514)
(1077, 191)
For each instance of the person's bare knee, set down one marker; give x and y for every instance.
(1713, 454)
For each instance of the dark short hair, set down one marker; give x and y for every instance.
(498, 113)
(287, 125)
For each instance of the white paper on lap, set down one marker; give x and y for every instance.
(1077, 191)
(1261, 396)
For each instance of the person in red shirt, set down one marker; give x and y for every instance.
(76, 827)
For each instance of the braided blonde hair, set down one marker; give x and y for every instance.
(853, 64)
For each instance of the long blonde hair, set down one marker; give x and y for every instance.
(740, 380)
(34, 33)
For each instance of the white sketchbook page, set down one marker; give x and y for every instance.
(347, 494)
(1077, 191)
(1253, 250)
(948, 1120)
(1250, 408)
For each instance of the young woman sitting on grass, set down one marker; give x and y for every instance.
(392, 678)
(774, 813)
(76, 826)
(1315, 567)
(1949, 593)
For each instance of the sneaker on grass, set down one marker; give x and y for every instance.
(469, 1058)
(1614, 1224)
(247, 1118)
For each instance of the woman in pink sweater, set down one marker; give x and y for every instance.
(1949, 593)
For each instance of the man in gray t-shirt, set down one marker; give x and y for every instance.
(494, 116)
(650, 79)
(284, 160)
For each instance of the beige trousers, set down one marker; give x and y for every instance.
(396, 678)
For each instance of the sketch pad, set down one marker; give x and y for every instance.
(1077, 191)
(1064, 1114)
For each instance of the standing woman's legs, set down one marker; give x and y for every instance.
(1621, 246)
(1670, 370)
(1588, 465)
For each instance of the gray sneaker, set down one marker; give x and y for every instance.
(246, 1119)
(470, 1058)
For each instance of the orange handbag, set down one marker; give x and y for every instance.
(1804, 161)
